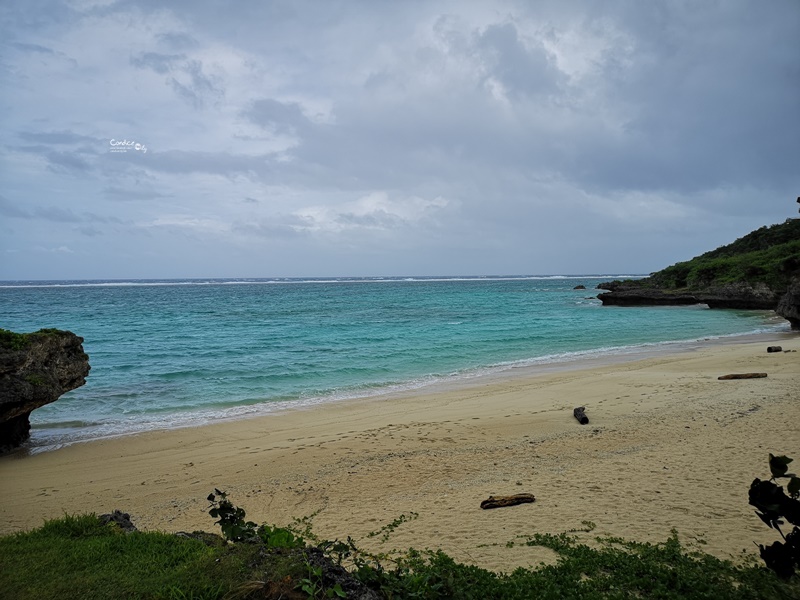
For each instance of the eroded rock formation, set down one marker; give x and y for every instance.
(35, 369)
(789, 305)
(622, 295)
(741, 295)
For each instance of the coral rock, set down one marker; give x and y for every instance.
(35, 369)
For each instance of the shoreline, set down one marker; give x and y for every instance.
(521, 369)
(668, 445)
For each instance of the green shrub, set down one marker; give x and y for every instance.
(78, 557)
(773, 505)
(769, 255)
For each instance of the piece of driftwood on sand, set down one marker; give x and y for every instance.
(743, 376)
(500, 501)
(580, 414)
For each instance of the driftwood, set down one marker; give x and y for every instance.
(500, 501)
(774, 349)
(581, 415)
(743, 376)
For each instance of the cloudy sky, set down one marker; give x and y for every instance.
(147, 138)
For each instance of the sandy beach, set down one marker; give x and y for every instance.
(668, 446)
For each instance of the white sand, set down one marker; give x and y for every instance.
(668, 446)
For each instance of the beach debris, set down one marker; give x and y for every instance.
(500, 501)
(581, 415)
(774, 349)
(743, 376)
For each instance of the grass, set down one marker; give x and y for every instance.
(78, 557)
(10, 340)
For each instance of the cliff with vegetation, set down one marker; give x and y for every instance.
(758, 271)
(35, 369)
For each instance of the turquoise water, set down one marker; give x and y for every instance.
(181, 352)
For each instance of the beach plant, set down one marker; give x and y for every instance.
(231, 520)
(279, 537)
(386, 531)
(80, 557)
(773, 505)
(313, 584)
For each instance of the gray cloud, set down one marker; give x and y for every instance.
(160, 63)
(56, 137)
(217, 163)
(50, 213)
(133, 193)
(10, 209)
(68, 161)
(90, 231)
(280, 117)
(55, 214)
(177, 40)
(483, 135)
(522, 70)
(32, 48)
(185, 76)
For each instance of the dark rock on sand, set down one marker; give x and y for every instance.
(120, 519)
(35, 369)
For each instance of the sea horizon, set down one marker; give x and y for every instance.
(296, 279)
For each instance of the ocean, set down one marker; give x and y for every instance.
(175, 353)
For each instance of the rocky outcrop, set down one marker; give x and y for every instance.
(758, 271)
(789, 305)
(120, 519)
(743, 295)
(755, 296)
(642, 296)
(634, 293)
(35, 369)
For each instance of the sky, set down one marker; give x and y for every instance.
(155, 139)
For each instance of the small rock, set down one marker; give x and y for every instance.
(119, 518)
